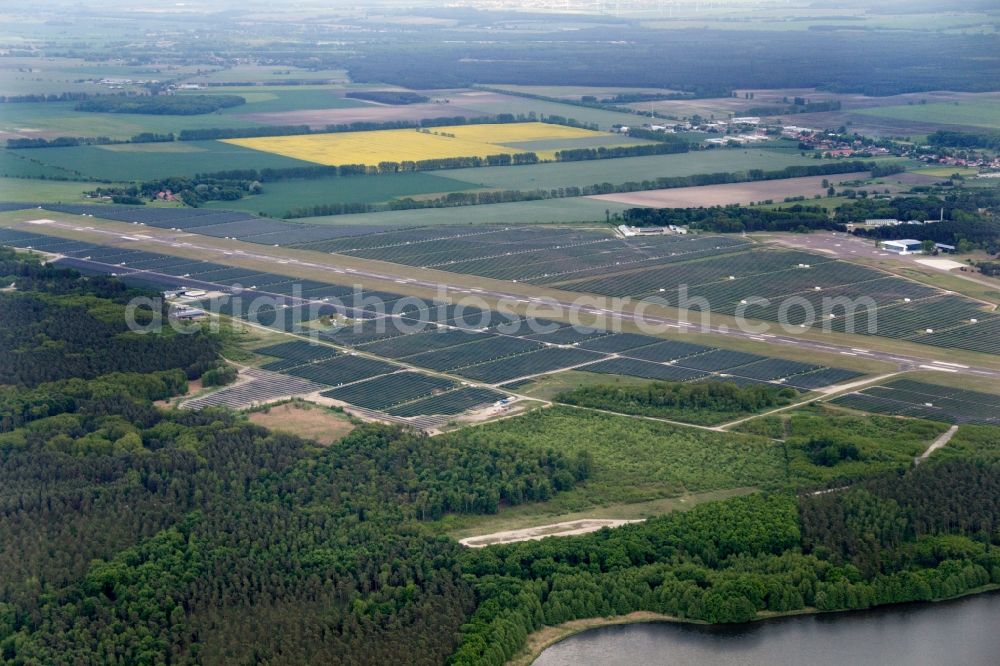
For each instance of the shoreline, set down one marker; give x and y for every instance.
(539, 641)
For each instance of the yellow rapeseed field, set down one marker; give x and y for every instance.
(371, 148)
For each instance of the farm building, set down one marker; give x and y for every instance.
(944, 247)
(905, 246)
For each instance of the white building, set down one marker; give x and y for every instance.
(905, 246)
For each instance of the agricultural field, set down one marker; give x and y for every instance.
(22, 189)
(730, 193)
(280, 197)
(482, 102)
(274, 99)
(149, 161)
(267, 74)
(628, 169)
(51, 119)
(972, 113)
(576, 92)
(371, 148)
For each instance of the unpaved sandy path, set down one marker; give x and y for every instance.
(540, 532)
(938, 443)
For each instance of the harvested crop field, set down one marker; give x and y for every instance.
(730, 193)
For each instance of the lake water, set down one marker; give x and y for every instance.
(964, 632)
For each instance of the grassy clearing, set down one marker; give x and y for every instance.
(322, 425)
(637, 460)
(826, 444)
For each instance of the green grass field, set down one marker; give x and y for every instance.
(59, 118)
(26, 165)
(156, 160)
(566, 174)
(636, 460)
(979, 113)
(43, 191)
(281, 197)
(274, 99)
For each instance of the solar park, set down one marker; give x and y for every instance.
(730, 272)
(432, 365)
(918, 399)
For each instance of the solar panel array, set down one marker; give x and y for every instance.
(907, 397)
(436, 337)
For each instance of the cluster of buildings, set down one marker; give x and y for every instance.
(910, 246)
(968, 160)
(625, 231)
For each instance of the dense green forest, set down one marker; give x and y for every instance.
(953, 139)
(872, 63)
(929, 534)
(701, 403)
(160, 105)
(58, 324)
(134, 535)
(735, 218)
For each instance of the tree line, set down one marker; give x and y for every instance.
(160, 105)
(396, 97)
(734, 218)
(701, 402)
